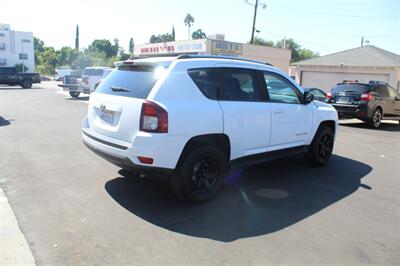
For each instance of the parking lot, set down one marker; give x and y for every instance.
(75, 208)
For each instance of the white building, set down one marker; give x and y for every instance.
(363, 64)
(216, 45)
(16, 47)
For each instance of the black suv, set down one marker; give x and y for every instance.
(370, 102)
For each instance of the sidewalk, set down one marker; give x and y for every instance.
(14, 250)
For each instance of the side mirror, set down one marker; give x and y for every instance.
(308, 97)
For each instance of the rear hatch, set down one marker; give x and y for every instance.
(115, 106)
(348, 93)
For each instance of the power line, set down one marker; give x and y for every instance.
(307, 12)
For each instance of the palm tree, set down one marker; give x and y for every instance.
(189, 20)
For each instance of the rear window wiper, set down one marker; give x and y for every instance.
(119, 89)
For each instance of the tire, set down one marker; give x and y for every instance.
(74, 94)
(376, 119)
(26, 84)
(321, 147)
(200, 175)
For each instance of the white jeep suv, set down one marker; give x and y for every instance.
(190, 118)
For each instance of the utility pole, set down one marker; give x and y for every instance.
(264, 6)
(254, 22)
(77, 37)
(284, 42)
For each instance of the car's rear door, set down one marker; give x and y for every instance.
(247, 117)
(291, 120)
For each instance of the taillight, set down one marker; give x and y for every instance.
(329, 95)
(153, 118)
(145, 160)
(366, 97)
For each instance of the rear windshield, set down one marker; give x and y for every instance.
(134, 81)
(351, 88)
(93, 72)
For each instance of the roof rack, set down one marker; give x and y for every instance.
(191, 56)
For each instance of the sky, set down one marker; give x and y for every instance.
(322, 26)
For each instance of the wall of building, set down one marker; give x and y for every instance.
(16, 47)
(278, 57)
(392, 75)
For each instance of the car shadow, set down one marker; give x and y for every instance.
(385, 126)
(254, 201)
(84, 98)
(4, 122)
(7, 88)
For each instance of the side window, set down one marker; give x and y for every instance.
(281, 90)
(206, 79)
(382, 91)
(240, 85)
(392, 92)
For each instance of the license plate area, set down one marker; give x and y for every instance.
(107, 117)
(343, 100)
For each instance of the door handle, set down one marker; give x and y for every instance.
(279, 111)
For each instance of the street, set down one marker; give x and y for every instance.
(75, 208)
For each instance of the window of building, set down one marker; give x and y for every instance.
(25, 40)
(3, 61)
(23, 56)
(2, 46)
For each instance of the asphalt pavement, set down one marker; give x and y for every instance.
(75, 208)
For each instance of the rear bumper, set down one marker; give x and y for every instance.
(165, 150)
(127, 164)
(351, 111)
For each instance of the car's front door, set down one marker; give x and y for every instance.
(247, 117)
(291, 119)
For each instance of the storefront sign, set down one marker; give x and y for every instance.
(224, 47)
(194, 46)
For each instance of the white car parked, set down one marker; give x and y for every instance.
(192, 117)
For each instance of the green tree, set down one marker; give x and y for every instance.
(298, 53)
(77, 37)
(305, 54)
(47, 61)
(198, 34)
(81, 61)
(261, 41)
(66, 55)
(189, 20)
(155, 39)
(131, 46)
(104, 46)
(21, 67)
(38, 47)
(161, 38)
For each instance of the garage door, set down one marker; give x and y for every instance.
(327, 80)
